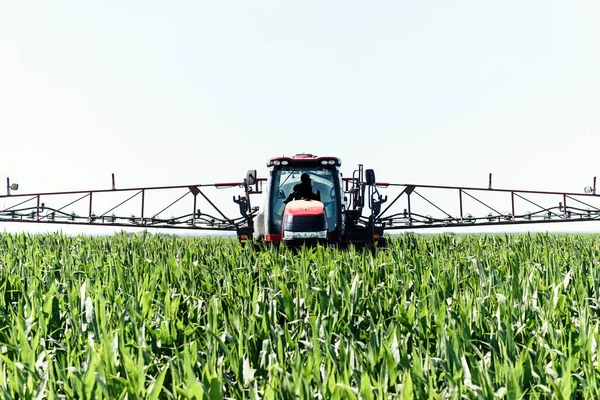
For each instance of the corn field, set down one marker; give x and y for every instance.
(430, 317)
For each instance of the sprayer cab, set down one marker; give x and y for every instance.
(304, 199)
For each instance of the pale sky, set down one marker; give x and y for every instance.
(437, 92)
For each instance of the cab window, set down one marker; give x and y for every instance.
(284, 180)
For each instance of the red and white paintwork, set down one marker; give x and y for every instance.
(299, 208)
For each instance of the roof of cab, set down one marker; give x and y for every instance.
(303, 158)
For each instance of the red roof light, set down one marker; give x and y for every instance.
(304, 155)
(304, 158)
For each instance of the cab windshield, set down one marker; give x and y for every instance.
(323, 183)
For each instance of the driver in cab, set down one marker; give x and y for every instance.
(303, 190)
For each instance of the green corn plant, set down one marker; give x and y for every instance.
(430, 317)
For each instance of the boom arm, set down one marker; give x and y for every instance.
(184, 200)
(427, 206)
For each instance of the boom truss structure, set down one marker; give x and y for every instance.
(411, 206)
(430, 206)
(183, 200)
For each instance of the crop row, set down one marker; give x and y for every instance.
(430, 317)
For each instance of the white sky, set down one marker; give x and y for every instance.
(437, 92)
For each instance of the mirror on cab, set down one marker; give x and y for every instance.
(251, 177)
(14, 186)
(588, 189)
(370, 177)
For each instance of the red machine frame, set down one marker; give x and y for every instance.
(399, 214)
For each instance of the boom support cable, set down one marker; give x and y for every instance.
(120, 204)
(481, 202)
(16, 205)
(173, 203)
(418, 194)
(67, 205)
(537, 205)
